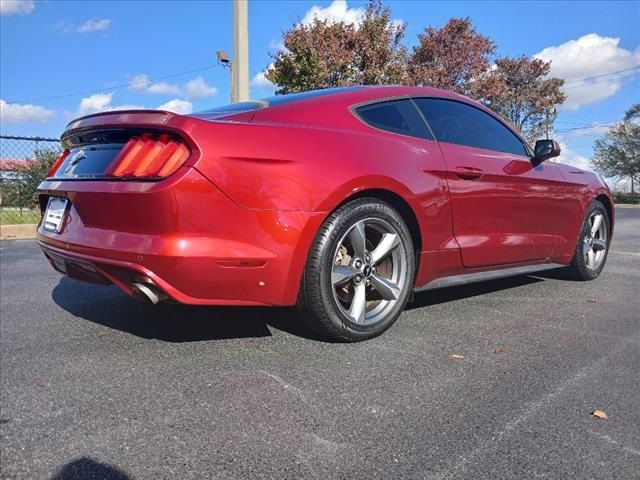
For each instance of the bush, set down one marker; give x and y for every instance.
(624, 197)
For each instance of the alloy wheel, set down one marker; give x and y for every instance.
(369, 271)
(594, 243)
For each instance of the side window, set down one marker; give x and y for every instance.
(397, 116)
(462, 124)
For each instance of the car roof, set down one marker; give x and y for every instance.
(328, 106)
(359, 94)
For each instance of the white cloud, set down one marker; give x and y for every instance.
(139, 83)
(89, 26)
(198, 88)
(339, 11)
(589, 56)
(261, 81)
(163, 88)
(101, 102)
(94, 25)
(16, 7)
(569, 157)
(22, 113)
(95, 103)
(177, 106)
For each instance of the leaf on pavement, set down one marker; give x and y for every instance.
(455, 356)
(599, 414)
(499, 350)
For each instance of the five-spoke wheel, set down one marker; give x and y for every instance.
(593, 243)
(359, 272)
(369, 271)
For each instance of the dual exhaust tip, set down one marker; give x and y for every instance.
(149, 292)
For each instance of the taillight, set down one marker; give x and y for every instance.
(56, 165)
(148, 156)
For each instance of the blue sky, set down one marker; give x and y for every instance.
(59, 59)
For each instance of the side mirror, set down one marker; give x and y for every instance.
(544, 150)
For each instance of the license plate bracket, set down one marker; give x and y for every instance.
(55, 213)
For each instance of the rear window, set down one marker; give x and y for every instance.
(237, 107)
(275, 100)
(396, 116)
(296, 97)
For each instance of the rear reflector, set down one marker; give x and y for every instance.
(148, 156)
(56, 165)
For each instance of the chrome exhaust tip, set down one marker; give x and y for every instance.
(148, 292)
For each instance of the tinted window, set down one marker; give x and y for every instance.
(462, 124)
(236, 107)
(398, 116)
(276, 100)
(296, 97)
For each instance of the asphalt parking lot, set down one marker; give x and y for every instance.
(97, 386)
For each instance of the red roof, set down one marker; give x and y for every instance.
(12, 164)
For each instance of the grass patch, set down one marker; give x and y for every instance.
(15, 216)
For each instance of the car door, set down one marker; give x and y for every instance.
(506, 210)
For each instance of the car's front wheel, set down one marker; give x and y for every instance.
(359, 272)
(593, 243)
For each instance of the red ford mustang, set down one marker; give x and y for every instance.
(340, 201)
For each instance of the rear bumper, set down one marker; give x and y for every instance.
(185, 239)
(125, 275)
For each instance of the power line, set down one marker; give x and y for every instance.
(586, 79)
(600, 81)
(115, 87)
(590, 127)
(208, 67)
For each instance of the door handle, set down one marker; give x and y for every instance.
(469, 173)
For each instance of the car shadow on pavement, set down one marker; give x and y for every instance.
(108, 306)
(450, 294)
(85, 467)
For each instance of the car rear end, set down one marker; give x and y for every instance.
(127, 204)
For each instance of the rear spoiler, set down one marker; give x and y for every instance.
(120, 119)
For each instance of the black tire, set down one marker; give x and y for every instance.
(579, 268)
(321, 305)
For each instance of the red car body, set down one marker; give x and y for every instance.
(233, 225)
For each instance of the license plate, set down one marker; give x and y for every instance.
(54, 214)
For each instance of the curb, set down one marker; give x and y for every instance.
(18, 232)
(627, 205)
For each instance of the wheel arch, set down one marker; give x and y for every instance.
(608, 205)
(394, 199)
(400, 205)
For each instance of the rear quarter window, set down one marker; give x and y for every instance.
(396, 116)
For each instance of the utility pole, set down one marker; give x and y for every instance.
(240, 69)
(550, 111)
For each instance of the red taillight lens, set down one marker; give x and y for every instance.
(56, 165)
(148, 156)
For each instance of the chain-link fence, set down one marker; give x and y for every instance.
(24, 163)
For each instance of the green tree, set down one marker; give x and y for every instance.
(324, 54)
(525, 94)
(617, 154)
